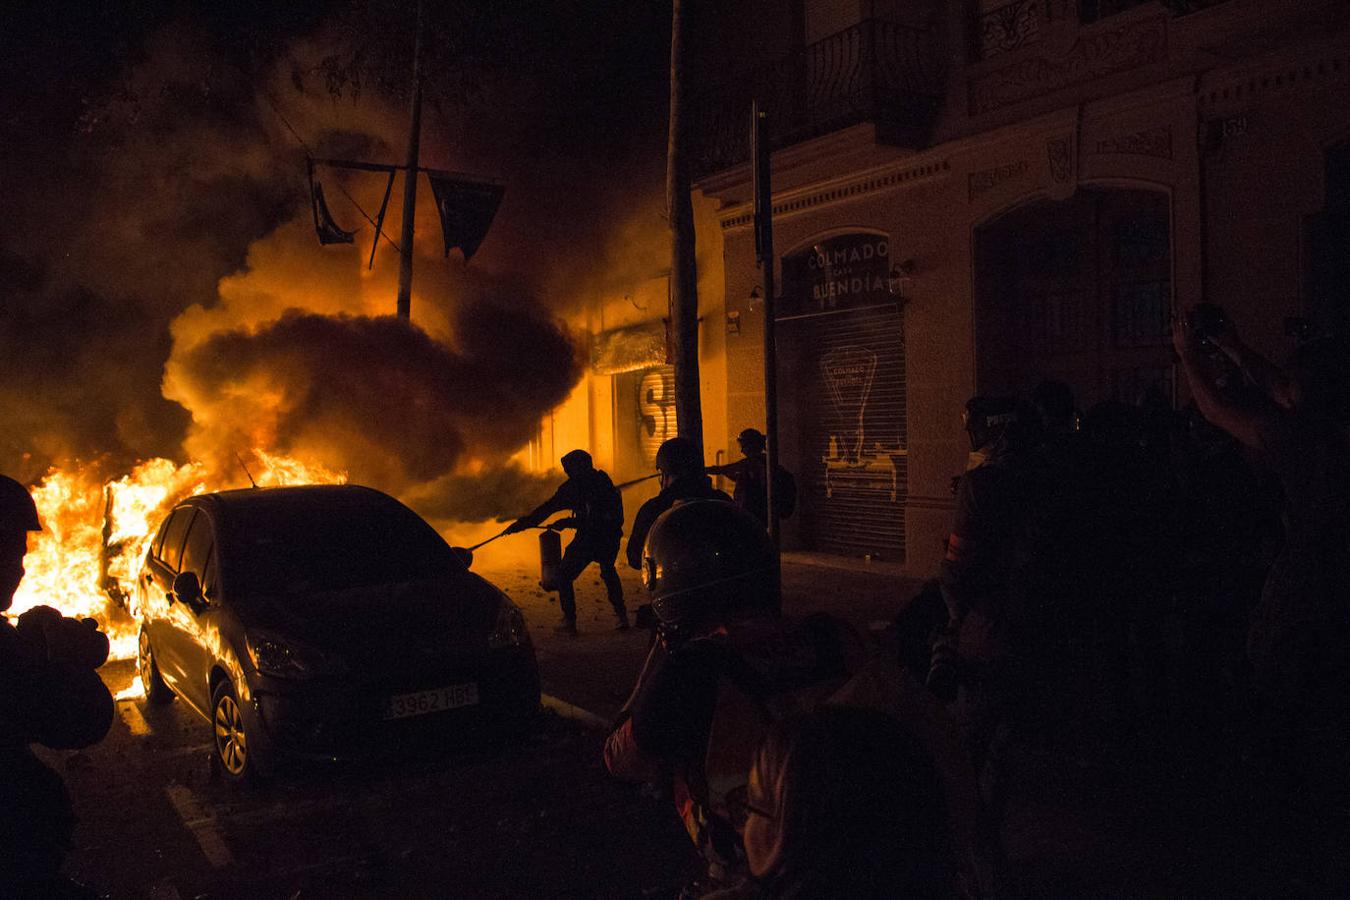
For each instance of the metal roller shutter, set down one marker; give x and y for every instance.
(853, 477)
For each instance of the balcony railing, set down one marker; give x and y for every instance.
(876, 71)
(1096, 10)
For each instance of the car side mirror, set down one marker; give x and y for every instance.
(187, 588)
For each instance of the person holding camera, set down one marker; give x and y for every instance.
(1296, 420)
(51, 696)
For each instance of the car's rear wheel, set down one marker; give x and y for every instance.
(237, 759)
(156, 690)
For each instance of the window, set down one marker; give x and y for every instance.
(158, 543)
(197, 549)
(174, 532)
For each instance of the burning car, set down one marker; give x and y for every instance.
(324, 621)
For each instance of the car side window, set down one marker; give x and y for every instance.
(208, 578)
(197, 549)
(172, 551)
(158, 544)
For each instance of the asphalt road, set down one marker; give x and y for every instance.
(538, 818)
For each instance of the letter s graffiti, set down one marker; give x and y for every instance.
(656, 410)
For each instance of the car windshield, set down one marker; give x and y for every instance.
(331, 545)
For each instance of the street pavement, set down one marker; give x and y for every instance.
(540, 818)
(595, 669)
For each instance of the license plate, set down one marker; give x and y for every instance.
(423, 702)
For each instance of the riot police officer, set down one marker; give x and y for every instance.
(726, 666)
(683, 477)
(751, 475)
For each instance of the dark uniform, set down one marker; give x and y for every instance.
(982, 659)
(597, 515)
(751, 477)
(684, 487)
(702, 706)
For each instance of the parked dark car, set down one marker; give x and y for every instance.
(326, 621)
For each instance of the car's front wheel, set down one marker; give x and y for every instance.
(237, 757)
(156, 690)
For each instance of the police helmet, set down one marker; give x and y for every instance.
(988, 418)
(751, 440)
(576, 461)
(18, 512)
(704, 559)
(679, 456)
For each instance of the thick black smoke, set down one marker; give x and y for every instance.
(376, 396)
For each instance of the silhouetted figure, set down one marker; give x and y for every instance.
(682, 478)
(1297, 420)
(1124, 533)
(50, 695)
(726, 665)
(980, 663)
(845, 803)
(1227, 524)
(597, 515)
(750, 475)
(1055, 408)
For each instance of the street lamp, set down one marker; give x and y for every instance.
(901, 279)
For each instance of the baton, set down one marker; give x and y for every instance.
(637, 481)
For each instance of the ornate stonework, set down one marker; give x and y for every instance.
(986, 180)
(1060, 154)
(1093, 56)
(900, 177)
(1149, 142)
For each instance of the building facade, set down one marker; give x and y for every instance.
(973, 197)
(970, 197)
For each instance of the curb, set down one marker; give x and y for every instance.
(575, 713)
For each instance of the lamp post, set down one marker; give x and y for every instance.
(761, 155)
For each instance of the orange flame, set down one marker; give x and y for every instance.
(95, 535)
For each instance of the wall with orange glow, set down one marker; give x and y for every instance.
(634, 290)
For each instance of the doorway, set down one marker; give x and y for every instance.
(1078, 290)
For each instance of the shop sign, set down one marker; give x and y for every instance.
(839, 273)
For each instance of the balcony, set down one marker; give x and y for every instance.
(876, 71)
(1020, 23)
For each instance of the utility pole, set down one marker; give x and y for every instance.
(465, 204)
(683, 259)
(761, 155)
(405, 263)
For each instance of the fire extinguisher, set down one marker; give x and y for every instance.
(550, 558)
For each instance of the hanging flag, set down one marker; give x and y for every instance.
(329, 231)
(466, 207)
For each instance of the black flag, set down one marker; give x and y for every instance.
(466, 207)
(328, 230)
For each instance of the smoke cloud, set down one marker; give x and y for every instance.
(375, 396)
(162, 292)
